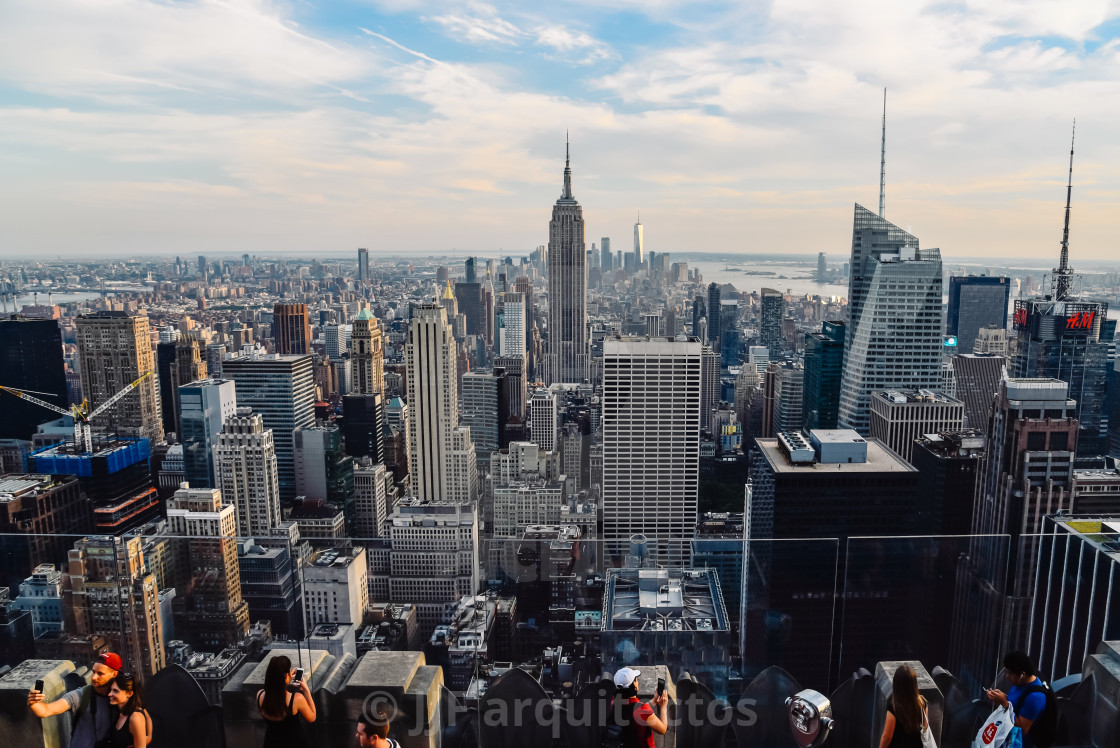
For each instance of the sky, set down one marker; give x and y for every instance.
(152, 126)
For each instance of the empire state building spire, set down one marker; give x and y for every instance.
(567, 194)
(567, 355)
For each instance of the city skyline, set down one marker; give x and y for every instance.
(720, 125)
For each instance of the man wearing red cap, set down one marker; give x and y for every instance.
(90, 711)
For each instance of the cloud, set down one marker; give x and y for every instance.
(257, 124)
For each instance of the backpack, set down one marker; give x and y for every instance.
(1045, 727)
(621, 732)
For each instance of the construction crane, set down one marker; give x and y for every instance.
(83, 440)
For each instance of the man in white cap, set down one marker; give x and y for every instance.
(635, 723)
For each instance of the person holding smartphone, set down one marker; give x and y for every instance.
(283, 700)
(91, 714)
(638, 721)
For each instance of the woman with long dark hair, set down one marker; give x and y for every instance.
(133, 726)
(906, 712)
(282, 705)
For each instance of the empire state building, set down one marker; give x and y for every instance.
(568, 356)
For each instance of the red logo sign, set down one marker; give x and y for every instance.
(990, 733)
(1020, 317)
(1080, 321)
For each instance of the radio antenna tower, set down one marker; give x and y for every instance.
(883, 162)
(1063, 274)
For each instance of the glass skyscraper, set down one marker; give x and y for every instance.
(824, 364)
(975, 301)
(894, 337)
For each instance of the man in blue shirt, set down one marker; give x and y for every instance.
(1025, 693)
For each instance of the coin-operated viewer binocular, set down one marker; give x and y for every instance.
(810, 718)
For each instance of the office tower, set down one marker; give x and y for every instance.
(435, 557)
(651, 324)
(470, 275)
(363, 265)
(41, 595)
(291, 329)
(190, 366)
(795, 478)
(783, 391)
(639, 244)
(516, 384)
(948, 465)
(114, 350)
(209, 610)
(370, 499)
(568, 356)
(334, 586)
(469, 295)
(37, 513)
(282, 389)
(772, 310)
(1075, 593)
(248, 476)
(822, 267)
(990, 339)
(336, 340)
(204, 407)
(605, 250)
(729, 334)
(462, 469)
(30, 359)
(1062, 340)
(214, 354)
(483, 393)
(271, 585)
(108, 591)
(448, 302)
(833, 484)
(179, 361)
(713, 314)
(544, 418)
(699, 312)
(367, 355)
(899, 417)
(487, 325)
(323, 470)
(977, 377)
(433, 402)
(709, 386)
(975, 302)
(511, 332)
(1026, 473)
(166, 350)
(363, 424)
(894, 336)
(651, 438)
(824, 365)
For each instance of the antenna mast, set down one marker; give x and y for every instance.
(883, 162)
(1063, 274)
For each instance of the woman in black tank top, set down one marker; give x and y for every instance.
(281, 707)
(132, 727)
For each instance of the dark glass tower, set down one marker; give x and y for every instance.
(30, 359)
(1062, 340)
(713, 314)
(770, 321)
(824, 365)
(975, 301)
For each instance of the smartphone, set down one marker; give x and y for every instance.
(660, 686)
(297, 679)
(39, 686)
